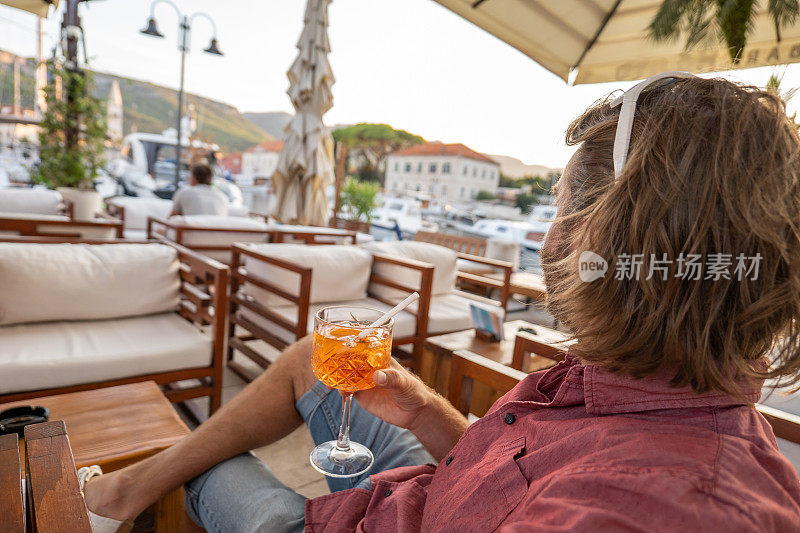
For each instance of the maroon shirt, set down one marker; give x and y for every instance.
(575, 448)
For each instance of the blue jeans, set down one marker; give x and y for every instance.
(242, 494)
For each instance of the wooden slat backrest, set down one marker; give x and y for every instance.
(55, 501)
(465, 245)
(12, 512)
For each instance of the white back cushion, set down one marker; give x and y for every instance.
(340, 273)
(138, 209)
(43, 282)
(31, 201)
(443, 261)
(504, 250)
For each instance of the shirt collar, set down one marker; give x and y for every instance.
(607, 393)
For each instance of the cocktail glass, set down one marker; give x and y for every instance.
(342, 361)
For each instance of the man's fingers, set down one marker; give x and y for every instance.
(389, 378)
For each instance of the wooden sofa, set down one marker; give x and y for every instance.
(277, 288)
(94, 313)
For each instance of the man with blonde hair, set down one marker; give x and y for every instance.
(647, 425)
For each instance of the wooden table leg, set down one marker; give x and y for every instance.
(169, 514)
(427, 367)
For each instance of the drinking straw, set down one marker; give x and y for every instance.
(413, 297)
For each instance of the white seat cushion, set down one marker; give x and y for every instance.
(451, 312)
(43, 282)
(405, 324)
(443, 261)
(32, 201)
(339, 273)
(137, 210)
(35, 216)
(59, 354)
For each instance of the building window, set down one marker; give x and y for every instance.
(465, 170)
(396, 166)
(395, 185)
(483, 174)
(419, 187)
(419, 168)
(474, 171)
(444, 190)
(430, 188)
(446, 168)
(432, 168)
(408, 167)
(463, 190)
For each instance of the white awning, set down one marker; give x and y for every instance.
(607, 40)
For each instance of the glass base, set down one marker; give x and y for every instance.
(331, 461)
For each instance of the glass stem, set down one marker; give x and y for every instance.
(343, 442)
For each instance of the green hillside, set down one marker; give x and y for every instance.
(151, 108)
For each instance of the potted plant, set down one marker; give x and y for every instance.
(359, 199)
(71, 140)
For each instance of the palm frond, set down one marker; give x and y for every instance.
(666, 25)
(783, 13)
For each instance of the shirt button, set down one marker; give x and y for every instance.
(388, 493)
(510, 418)
(449, 460)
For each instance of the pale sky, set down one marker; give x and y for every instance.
(409, 63)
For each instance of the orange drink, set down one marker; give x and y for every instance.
(344, 355)
(342, 361)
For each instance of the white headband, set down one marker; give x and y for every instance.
(622, 141)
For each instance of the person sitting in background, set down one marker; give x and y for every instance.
(647, 425)
(201, 198)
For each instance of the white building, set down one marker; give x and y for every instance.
(449, 172)
(261, 160)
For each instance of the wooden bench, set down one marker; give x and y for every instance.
(53, 500)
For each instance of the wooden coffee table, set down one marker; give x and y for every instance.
(438, 350)
(118, 426)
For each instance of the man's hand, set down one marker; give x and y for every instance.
(398, 397)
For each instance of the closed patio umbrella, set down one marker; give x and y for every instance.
(37, 7)
(593, 41)
(305, 168)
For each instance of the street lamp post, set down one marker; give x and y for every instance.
(184, 27)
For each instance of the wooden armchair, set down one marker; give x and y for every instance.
(527, 343)
(203, 303)
(280, 325)
(53, 499)
(468, 368)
